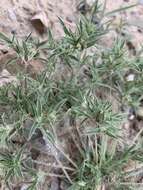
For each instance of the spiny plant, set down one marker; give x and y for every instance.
(101, 113)
(103, 167)
(34, 108)
(25, 49)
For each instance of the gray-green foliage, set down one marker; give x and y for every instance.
(45, 101)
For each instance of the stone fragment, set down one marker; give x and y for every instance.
(39, 21)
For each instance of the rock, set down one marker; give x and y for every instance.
(39, 21)
(130, 77)
(131, 117)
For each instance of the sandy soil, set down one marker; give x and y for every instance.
(16, 15)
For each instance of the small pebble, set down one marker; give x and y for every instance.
(12, 15)
(131, 117)
(39, 22)
(130, 77)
